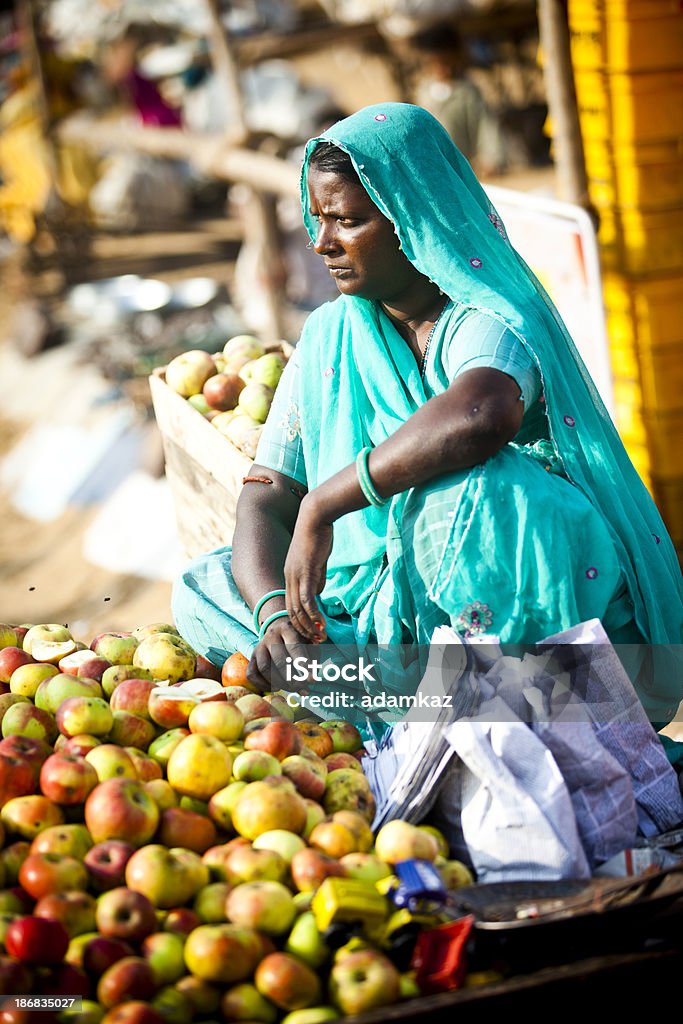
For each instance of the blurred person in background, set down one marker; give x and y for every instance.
(445, 90)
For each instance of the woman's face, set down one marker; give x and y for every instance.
(356, 241)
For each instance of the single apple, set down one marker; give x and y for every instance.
(167, 877)
(363, 981)
(252, 765)
(244, 1002)
(11, 859)
(65, 840)
(342, 760)
(279, 738)
(126, 914)
(79, 745)
(162, 792)
(164, 953)
(209, 903)
(178, 827)
(261, 807)
(222, 391)
(132, 695)
(252, 706)
(179, 920)
(116, 648)
(121, 809)
(170, 707)
(454, 873)
(346, 789)
(23, 719)
(310, 868)
(36, 940)
(27, 816)
(255, 400)
(311, 1015)
(234, 672)
(52, 632)
(75, 909)
(222, 953)
(358, 825)
(8, 636)
(146, 768)
(287, 981)
(345, 736)
(15, 977)
(131, 977)
(45, 873)
(215, 858)
(199, 766)
(17, 778)
(90, 1012)
(309, 775)
(188, 372)
(204, 997)
(243, 346)
(399, 840)
(206, 669)
(101, 951)
(141, 632)
(166, 656)
(281, 841)
(333, 838)
(66, 779)
(111, 762)
(221, 719)
(318, 739)
(134, 1011)
(365, 867)
(306, 941)
(243, 863)
(12, 658)
(106, 863)
(129, 730)
(264, 905)
(280, 706)
(26, 678)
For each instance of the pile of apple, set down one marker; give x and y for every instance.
(233, 389)
(163, 829)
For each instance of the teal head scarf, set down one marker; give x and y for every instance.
(449, 230)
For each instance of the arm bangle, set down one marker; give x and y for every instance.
(271, 618)
(366, 485)
(260, 603)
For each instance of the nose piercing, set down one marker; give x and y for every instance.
(310, 245)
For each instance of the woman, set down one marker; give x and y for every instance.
(436, 453)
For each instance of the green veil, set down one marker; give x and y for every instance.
(449, 230)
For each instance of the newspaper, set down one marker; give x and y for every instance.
(533, 771)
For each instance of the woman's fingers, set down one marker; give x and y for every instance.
(303, 608)
(258, 669)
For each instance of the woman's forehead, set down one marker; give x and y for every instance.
(329, 187)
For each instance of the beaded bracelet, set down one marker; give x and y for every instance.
(260, 603)
(271, 618)
(366, 484)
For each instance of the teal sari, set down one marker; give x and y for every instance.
(521, 552)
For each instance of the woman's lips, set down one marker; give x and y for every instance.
(340, 271)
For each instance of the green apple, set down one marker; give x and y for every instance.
(221, 804)
(167, 877)
(54, 691)
(311, 1015)
(245, 1002)
(111, 762)
(117, 648)
(281, 841)
(166, 656)
(163, 746)
(115, 674)
(78, 715)
(255, 400)
(188, 372)
(306, 941)
(365, 867)
(26, 679)
(251, 765)
(268, 369)
(44, 632)
(164, 952)
(209, 903)
(266, 906)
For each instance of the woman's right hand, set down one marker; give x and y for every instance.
(267, 668)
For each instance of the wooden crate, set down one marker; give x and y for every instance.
(203, 468)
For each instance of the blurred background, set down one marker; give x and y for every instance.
(149, 160)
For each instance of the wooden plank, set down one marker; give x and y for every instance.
(204, 509)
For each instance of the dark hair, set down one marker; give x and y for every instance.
(328, 157)
(441, 38)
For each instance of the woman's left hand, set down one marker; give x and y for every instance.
(305, 571)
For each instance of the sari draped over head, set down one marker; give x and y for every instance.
(449, 230)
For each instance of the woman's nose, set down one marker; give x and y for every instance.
(325, 239)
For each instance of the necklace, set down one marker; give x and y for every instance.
(423, 361)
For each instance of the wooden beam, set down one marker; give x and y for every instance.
(572, 183)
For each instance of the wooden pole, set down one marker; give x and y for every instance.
(225, 66)
(572, 183)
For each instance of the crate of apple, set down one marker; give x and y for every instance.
(163, 829)
(232, 389)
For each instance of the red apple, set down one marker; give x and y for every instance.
(133, 1012)
(318, 739)
(23, 719)
(129, 978)
(287, 981)
(252, 706)
(17, 778)
(130, 730)
(101, 951)
(15, 977)
(308, 775)
(10, 659)
(44, 873)
(125, 914)
(36, 940)
(344, 735)
(281, 739)
(78, 715)
(74, 908)
(206, 669)
(146, 767)
(132, 695)
(67, 779)
(167, 877)
(106, 862)
(181, 921)
(121, 809)
(78, 745)
(310, 868)
(179, 827)
(342, 760)
(63, 980)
